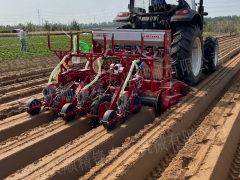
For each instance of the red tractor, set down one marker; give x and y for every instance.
(173, 46)
(190, 54)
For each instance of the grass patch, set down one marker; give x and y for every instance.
(36, 46)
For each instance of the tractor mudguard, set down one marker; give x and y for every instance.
(187, 17)
(123, 17)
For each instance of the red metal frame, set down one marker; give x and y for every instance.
(60, 53)
(129, 91)
(168, 91)
(125, 60)
(66, 76)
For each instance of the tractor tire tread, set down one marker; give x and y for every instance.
(181, 49)
(209, 48)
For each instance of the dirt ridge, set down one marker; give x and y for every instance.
(157, 133)
(200, 141)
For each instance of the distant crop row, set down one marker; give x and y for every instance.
(36, 46)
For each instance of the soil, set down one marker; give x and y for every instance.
(208, 115)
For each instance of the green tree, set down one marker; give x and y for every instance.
(74, 25)
(54, 27)
(30, 26)
(47, 26)
(20, 25)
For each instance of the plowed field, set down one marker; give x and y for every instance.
(198, 138)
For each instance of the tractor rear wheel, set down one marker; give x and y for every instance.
(210, 54)
(67, 108)
(95, 122)
(31, 103)
(108, 116)
(187, 54)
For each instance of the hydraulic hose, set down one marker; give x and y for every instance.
(134, 63)
(85, 45)
(56, 68)
(86, 65)
(98, 74)
(75, 43)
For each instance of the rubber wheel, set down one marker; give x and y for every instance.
(186, 54)
(210, 55)
(67, 108)
(101, 98)
(108, 116)
(31, 103)
(137, 101)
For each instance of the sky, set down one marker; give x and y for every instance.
(13, 12)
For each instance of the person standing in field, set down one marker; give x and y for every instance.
(23, 35)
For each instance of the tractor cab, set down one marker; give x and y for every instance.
(161, 14)
(160, 5)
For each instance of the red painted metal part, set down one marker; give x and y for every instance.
(64, 79)
(67, 76)
(59, 52)
(170, 91)
(120, 116)
(170, 95)
(73, 112)
(34, 107)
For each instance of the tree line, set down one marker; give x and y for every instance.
(221, 24)
(47, 26)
